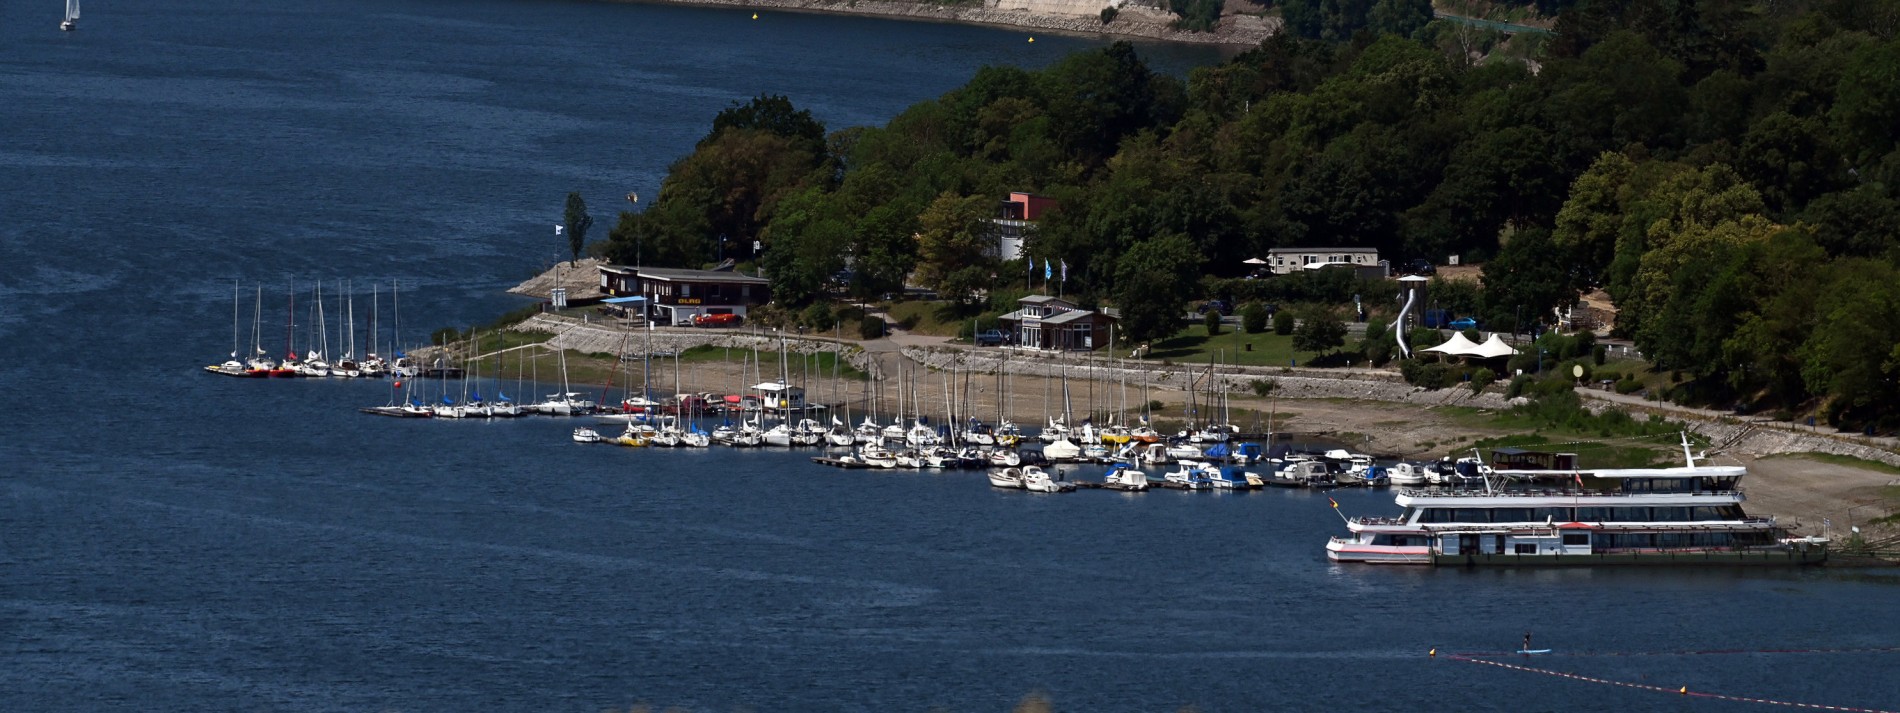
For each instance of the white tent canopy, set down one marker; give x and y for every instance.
(1457, 345)
(1493, 348)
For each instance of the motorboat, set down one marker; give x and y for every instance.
(978, 434)
(1185, 451)
(586, 435)
(1405, 474)
(1062, 450)
(1004, 458)
(1008, 477)
(1036, 480)
(1192, 475)
(1122, 477)
(1144, 434)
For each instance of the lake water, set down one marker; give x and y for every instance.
(173, 541)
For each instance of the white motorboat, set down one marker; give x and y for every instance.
(586, 435)
(1122, 477)
(1191, 475)
(1405, 474)
(1062, 450)
(1036, 480)
(780, 435)
(1184, 451)
(1004, 458)
(1007, 477)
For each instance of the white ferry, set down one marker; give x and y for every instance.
(1684, 515)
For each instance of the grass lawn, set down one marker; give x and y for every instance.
(1193, 346)
(930, 318)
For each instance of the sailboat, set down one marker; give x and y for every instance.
(232, 367)
(72, 17)
(259, 364)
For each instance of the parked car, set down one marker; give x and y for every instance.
(717, 320)
(1216, 305)
(1464, 323)
(991, 338)
(1420, 266)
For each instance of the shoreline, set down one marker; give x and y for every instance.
(1131, 23)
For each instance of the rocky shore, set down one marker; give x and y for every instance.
(1131, 20)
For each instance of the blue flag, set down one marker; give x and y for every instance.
(1048, 270)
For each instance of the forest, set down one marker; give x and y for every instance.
(1725, 170)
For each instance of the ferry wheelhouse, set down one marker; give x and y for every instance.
(1683, 515)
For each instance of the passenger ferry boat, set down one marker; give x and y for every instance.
(1683, 515)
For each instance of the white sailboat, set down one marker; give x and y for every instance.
(232, 367)
(72, 17)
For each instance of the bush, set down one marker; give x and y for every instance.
(1156, 406)
(1628, 385)
(1253, 318)
(871, 328)
(1283, 323)
(1262, 387)
(817, 317)
(1212, 320)
(1108, 15)
(1431, 377)
(1599, 353)
(1517, 386)
(1481, 378)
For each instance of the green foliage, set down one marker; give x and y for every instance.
(1480, 378)
(871, 328)
(1153, 281)
(1599, 354)
(1262, 387)
(1108, 14)
(1283, 322)
(1319, 331)
(1726, 172)
(953, 242)
(577, 222)
(1253, 318)
(1429, 376)
(1211, 319)
(817, 317)
(1195, 15)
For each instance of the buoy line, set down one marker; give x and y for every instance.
(1683, 691)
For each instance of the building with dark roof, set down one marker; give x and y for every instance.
(1056, 324)
(678, 295)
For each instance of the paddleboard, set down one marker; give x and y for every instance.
(1531, 652)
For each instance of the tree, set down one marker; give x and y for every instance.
(954, 240)
(1529, 274)
(1152, 284)
(1211, 320)
(1399, 17)
(1319, 331)
(1253, 318)
(578, 222)
(773, 114)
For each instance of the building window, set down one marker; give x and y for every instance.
(1526, 549)
(686, 290)
(1573, 539)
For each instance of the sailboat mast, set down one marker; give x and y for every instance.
(234, 318)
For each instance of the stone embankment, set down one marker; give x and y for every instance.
(1288, 383)
(1064, 16)
(592, 338)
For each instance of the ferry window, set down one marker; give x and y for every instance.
(1471, 515)
(1436, 515)
(1557, 514)
(1511, 515)
(1673, 539)
(1630, 514)
(1595, 514)
(1576, 538)
(1669, 514)
(1526, 549)
(1731, 512)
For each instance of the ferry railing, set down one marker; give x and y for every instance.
(1557, 492)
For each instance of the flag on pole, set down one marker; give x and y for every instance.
(1065, 271)
(1048, 270)
(1335, 503)
(1579, 477)
(558, 228)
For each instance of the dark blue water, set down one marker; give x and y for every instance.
(173, 541)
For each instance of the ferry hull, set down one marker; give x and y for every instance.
(1793, 557)
(1340, 550)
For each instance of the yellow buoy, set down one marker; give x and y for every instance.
(1684, 691)
(1433, 652)
(1032, 39)
(755, 16)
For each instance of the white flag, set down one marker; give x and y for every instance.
(557, 229)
